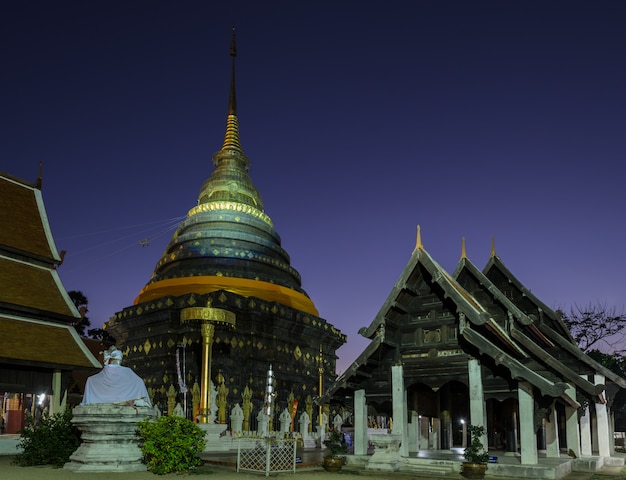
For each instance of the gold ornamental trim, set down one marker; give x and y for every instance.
(234, 206)
(207, 314)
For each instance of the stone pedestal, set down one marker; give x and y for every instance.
(387, 455)
(216, 440)
(109, 438)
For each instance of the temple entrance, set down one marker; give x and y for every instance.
(443, 414)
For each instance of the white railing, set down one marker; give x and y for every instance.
(268, 455)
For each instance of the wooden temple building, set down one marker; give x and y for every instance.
(39, 346)
(224, 307)
(476, 347)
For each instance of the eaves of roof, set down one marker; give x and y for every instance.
(39, 343)
(579, 354)
(518, 370)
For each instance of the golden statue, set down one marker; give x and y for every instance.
(247, 408)
(222, 393)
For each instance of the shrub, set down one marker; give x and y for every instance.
(475, 451)
(49, 441)
(171, 444)
(335, 443)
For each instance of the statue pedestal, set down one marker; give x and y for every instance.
(109, 438)
(386, 455)
(214, 441)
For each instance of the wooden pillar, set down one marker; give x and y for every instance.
(360, 423)
(400, 412)
(528, 437)
(477, 397)
(552, 435)
(602, 421)
(585, 433)
(58, 400)
(571, 424)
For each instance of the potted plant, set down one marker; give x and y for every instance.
(336, 446)
(476, 457)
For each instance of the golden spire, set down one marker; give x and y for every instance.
(231, 139)
(493, 246)
(463, 251)
(418, 243)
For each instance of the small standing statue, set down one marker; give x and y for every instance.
(309, 410)
(236, 419)
(285, 421)
(337, 422)
(263, 420)
(304, 421)
(222, 393)
(247, 408)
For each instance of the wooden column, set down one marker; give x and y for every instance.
(571, 424)
(602, 420)
(399, 408)
(477, 397)
(552, 435)
(360, 423)
(528, 437)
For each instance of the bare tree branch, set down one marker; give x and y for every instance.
(596, 326)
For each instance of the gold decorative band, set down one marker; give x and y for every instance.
(241, 286)
(233, 206)
(207, 314)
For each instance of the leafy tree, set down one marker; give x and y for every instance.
(81, 303)
(595, 326)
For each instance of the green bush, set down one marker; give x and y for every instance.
(49, 441)
(171, 444)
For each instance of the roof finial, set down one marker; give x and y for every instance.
(493, 246)
(418, 243)
(463, 251)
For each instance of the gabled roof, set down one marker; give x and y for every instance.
(36, 312)
(25, 229)
(495, 266)
(526, 323)
(29, 280)
(510, 346)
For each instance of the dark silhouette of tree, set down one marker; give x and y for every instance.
(101, 334)
(81, 303)
(596, 326)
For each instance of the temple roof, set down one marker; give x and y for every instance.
(36, 342)
(227, 241)
(487, 318)
(29, 280)
(25, 228)
(36, 313)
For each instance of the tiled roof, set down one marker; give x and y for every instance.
(32, 341)
(32, 286)
(23, 218)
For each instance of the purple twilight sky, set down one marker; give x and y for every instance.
(361, 119)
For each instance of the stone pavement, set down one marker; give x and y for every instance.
(311, 461)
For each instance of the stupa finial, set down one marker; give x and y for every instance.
(231, 139)
(493, 246)
(463, 251)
